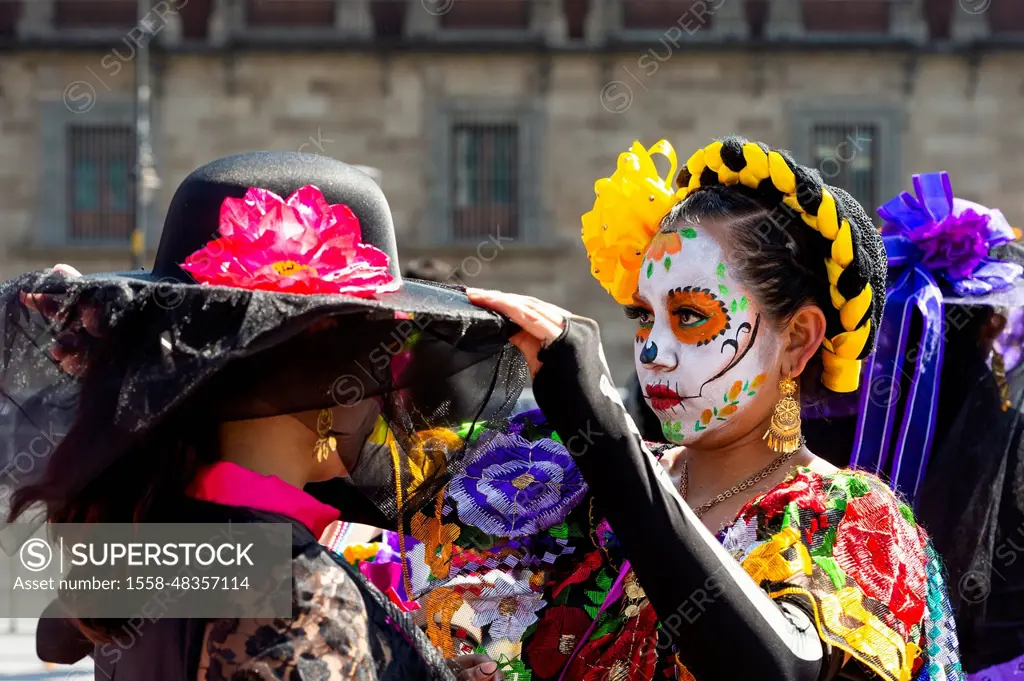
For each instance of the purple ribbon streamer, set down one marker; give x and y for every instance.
(910, 460)
(880, 394)
(932, 235)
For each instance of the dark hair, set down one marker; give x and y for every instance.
(771, 254)
(143, 485)
(146, 484)
(782, 238)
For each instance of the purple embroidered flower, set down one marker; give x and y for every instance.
(512, 487)
(954, 246)
(526, 420)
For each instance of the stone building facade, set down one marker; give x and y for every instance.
(488, 142)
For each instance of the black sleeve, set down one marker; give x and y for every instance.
(723, 625)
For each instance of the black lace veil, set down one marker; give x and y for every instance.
(90, 367)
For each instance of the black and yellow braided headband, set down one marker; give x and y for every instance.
(631, 204)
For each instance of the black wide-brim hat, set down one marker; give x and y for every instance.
(107, 357)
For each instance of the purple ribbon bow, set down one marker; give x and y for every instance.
(949, 237)
(934, 238)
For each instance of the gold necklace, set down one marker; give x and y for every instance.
(684, 483)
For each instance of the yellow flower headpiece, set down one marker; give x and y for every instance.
(631, 204)
(627, 213)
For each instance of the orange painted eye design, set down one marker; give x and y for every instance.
(698, 316)
(644, 318)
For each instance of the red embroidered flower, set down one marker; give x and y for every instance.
(805, 488)
(302, 245)
(556, 637)
(592, 561)
(882, 552)
(628, 655)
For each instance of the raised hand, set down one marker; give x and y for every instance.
(541, 322)
(73, 332)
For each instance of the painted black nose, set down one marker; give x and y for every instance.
(649, 353)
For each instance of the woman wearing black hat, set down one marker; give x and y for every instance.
(272, 352)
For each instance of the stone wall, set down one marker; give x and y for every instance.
(372, 110)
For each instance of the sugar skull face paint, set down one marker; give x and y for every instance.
(703, 349)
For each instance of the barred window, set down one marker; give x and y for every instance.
(101, 190)
(120, 14)
(846, 156)
(277, 13)
(659, 15)
(484, 14)
(485, 180)
(847, 16)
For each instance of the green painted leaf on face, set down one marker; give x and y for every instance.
(650, 269)
(668, 263)
(722, 290)
(688, 233)
(743, 303)
(673, 431)
(751, 393)
(721, 270)
(732, 306)
(746, 385)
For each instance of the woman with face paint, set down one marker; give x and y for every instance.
(750, 283)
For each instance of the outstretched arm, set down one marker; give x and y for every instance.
(705, 601)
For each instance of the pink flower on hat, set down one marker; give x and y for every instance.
(300, 245)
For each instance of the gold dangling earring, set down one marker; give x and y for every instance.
(783, 434)
(999, 371)
(326, 443)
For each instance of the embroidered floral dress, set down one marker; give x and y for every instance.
(518, 563)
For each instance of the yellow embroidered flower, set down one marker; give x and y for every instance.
(357, 552)
(627, 213)
(428, 455)
(437, 538)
